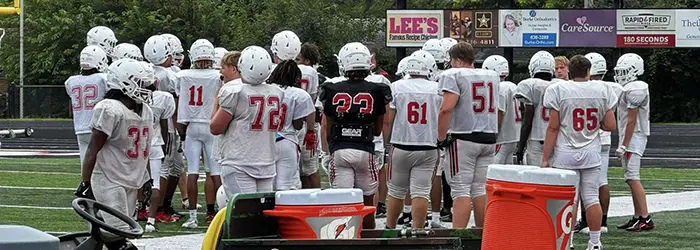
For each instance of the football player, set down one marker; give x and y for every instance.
(633, 127)
(598, 70)
(468, 127)
(249, 117)
(163, 107)
(578, 110)
(127, 50)
(85, 91)
(298, 107)
(508, 111)
(353, 114)
(115, 165)
(561, 68)
(535, 116)
(157, 50)
(177, 50)
(379, 76)
(413, 155)
(439, 52)
(103, 37)
(286, 46)
(198, 87)
(309, 55)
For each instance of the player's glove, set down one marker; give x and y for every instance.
(310, 140)
(445, 143)
(147, 190)
(620, 152)
(84, 190)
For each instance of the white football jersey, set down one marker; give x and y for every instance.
(197, 91)
(582, 107)
(296, 104)
(166, 81)
(163, 107)
(378, 140)
(416, 103)
(476, 109)
(249, 141)
(531, 92)
(436, 76)
(617, 89)
(309, 79)
(85, 92)
(635, 95)
(175, 69)
(512, 117)
(124, 156)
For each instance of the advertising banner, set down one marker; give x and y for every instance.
(688, 28)
(587, 28)
(477, 27)
(411, 28)
(646, 28)
(528, 28)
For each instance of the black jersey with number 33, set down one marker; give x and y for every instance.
(352, 108)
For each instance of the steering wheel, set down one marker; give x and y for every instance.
(88, 209)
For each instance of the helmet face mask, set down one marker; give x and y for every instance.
(176, 47)
(130, 76)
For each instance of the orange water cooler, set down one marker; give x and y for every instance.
(528, 208)
(320, 214)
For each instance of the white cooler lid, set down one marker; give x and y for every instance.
(312, 197)
(532, 175)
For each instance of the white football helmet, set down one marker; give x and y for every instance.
(221, 198)
(496, 63)
(176, 46)
(201, 50)
(127, 50)
(421, 63)
(355, 56)
(446, 44)
(219, 53)
(628, 68)
(286, 45)
(93, 57)
(130, 76)
(434, 47)
(157, 49)
(103, 37)
(254, 65)
(541, 62)
(598, 64)
(401, 68)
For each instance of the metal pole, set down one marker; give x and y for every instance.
(400, 52)
(21, 59)
(508, 51)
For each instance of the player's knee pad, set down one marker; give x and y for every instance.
(589, 186)
(633, 166)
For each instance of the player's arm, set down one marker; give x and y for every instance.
(386, 120)
(324, 126)
(388, 125)
(216, 101)
(609, 122)
(551, 137)
(97, 141)
(164, 133)
(632, 114)
(449, 101)
(227, 105)
(528, 111)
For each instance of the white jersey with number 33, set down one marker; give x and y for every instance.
(477, 107)
(416, 103)
(197, 91)
(249, 140)
(582, 107)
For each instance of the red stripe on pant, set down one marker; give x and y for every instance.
(390, 165)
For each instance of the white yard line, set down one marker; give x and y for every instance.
(35, 207)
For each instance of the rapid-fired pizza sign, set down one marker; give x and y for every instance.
(411, 28)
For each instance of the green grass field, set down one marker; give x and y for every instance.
(37, 192)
